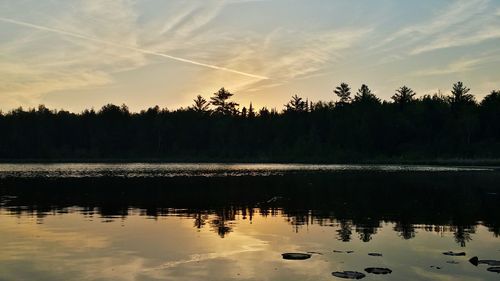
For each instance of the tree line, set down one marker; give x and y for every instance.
(356, 127)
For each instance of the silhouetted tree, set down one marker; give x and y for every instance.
(200, 105)
(221, 103)
(492, 100)
(344, 93)
(264, 112)
(433, 127)
(365, 96)
(251, 111)
(490, 111)
(460, 95)
(403, 95)
(296, 104)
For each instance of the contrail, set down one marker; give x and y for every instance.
(139, 50)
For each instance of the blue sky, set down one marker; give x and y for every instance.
(77, 54)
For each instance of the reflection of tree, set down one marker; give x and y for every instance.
(358, 203)
(366, 232)
(345, 231)
(462, 234)
(405, 230)
(495, 229)
(222, 219)
(199, 219)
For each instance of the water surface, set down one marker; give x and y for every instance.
(233, 222)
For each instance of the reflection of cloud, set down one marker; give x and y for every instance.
(43, 238)
(245, 248)
(426, 274)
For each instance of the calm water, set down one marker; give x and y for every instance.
(233, 222)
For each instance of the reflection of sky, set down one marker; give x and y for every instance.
(84, 53)
(77, 247)
(72, 170)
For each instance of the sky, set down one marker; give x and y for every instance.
(77, 54)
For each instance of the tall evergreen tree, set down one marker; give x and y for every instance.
(343, 92)
(200, 105)
(404, 95)
(365, 96)
(251, 111)
(221, 103)
(296, 104)
(460, 95)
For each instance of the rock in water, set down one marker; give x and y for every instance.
(450, 253)
(475, 261)
(490, 262)
(349, 274)
(315, 253)
(495, 269)
(375, 254)
(296, 256)
(378, 270)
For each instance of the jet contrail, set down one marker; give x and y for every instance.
(139, 50)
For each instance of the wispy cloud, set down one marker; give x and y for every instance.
(89, 41)
(136, 49)
(461, 65)
(457, 39)
(287, 54)
(461, 23)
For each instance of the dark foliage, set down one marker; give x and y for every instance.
(364, 129)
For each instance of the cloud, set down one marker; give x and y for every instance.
(288, 54)
(83, 44)
(458, 39)
(461, 23)
(130, 48)
(460, 66)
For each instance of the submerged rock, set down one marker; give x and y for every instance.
(378, 270)
(349, 274)
(342, 252)
(375, 254)
(490, 262)
(452, 262)
(436, 267)
(475, 261)
(296, 256)
(450, 253)
(495, 269)
(315, 253)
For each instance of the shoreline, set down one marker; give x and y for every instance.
(430, 162)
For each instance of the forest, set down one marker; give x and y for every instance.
(354, 127)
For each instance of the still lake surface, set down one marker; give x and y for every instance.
(233, 221)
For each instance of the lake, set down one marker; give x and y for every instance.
(234, 221)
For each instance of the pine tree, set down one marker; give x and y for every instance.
(343, 92)
(404, 95)
(221, 103)
(200, 105)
